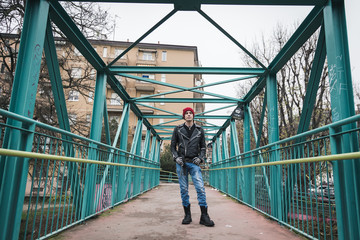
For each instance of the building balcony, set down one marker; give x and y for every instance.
(124, 61)
(114, 109)
(144, 87)
(144, 62)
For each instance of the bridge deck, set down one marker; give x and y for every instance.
(157, 214)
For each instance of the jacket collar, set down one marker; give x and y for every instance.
(196, 126)
(184, 133)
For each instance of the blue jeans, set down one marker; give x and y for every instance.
(195, 172)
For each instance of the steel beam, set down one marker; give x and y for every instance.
(95, 134)
(172, 86)
(186, 100)
(249, 172)
(346, 173)
(313, 85)
(187, 70)
(14, 170)
(228, 2)
(273, 133)
(197, 87)
(123, 147)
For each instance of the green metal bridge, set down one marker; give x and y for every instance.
(86, 176)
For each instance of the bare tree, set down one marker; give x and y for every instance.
(92, 20)
(292, 81)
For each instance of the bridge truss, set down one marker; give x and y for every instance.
(268, 188)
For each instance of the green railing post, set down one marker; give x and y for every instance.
(346, 173)
(273, 132)
(14, 170)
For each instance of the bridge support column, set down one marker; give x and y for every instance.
(273, 132)
(152, 157)
(235, 151)
(346, 173)
(123, 146)
(158, 160)
(14, 170)
(249, 172)
(225, 155)
(145, 154)
(95, 134)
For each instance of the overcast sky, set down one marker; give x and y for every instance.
(245, 23)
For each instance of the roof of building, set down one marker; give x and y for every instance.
(128, 44)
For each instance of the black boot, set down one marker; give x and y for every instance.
(205, 218)
(187, 219)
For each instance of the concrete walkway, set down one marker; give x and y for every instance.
(157, 215)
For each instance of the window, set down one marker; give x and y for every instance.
(77, 52)
(88, 119)
(76, 72)
(114, 119)
(115, 99)
(163, 77)
(73, 95)
(119, 51)
(91, 97)
(105, 52)
(147, 56)
(118, 78)
(163, 56)
(161, 120)
(2, 67)
(72, 119)
(145, 103)
(92, 73)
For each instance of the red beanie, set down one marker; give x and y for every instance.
(188, 109)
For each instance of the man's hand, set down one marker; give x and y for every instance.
(179, 161)
(196, 161)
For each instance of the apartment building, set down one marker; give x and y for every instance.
(79, 99)
(144, 54)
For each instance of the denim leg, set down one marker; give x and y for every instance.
(195, 172)
(182, 173)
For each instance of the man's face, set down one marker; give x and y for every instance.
(189, 116)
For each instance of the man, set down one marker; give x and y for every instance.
(189, 149)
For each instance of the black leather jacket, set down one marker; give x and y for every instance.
(182, 146)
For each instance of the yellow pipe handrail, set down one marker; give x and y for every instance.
(24, 154)
(335, 157)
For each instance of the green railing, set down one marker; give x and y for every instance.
(304, 199)
(170, 177)
(65, 187)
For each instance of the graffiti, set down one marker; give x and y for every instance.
(105, 196)
(332, 77)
